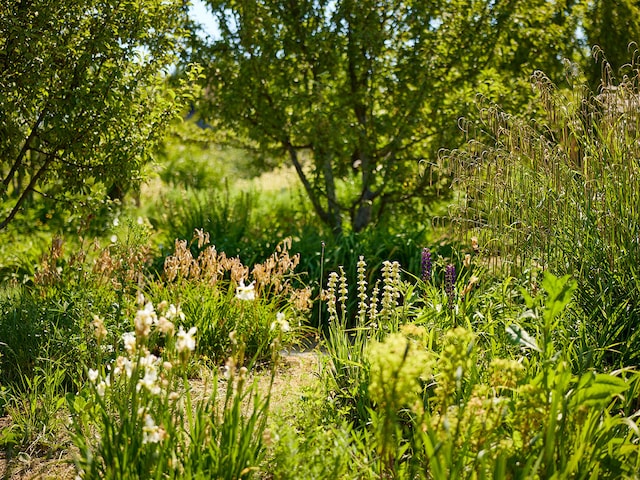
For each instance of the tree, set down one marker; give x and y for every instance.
(614, 26)
(359, 93)
(84, 94)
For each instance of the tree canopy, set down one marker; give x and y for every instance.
(358, 93)
(84, 94)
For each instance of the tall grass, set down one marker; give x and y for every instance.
(562, 193)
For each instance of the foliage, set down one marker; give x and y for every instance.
(80, 128)
(454, 405)
(562, 193)
(34, 407)
(48, 319)
(346, 90)
(214, 290)
(613, 26)
(148, 426)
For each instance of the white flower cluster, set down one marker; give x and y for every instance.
(138, 359)
(246, 292)
(149, 372)
(280, 323)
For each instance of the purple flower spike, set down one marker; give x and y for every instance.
(426, 265)
(449, 282)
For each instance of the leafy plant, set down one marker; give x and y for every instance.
(147, 422)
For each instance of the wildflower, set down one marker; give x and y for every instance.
(390, 292)
(99, 329)
(201, 236)
(123, 364)
(426, 265)
(474, 245)
(472, 281)
(150, 379)
(101, 388)
(144, 320)
(93, 375)
(398, 364)
(373, 302)
(175, 312)
(330, 295)
(362, 289)
(343, 290)
(129, 339)
(165, 326)
(247, 292)
(449, 283)
(280, 323)
(185, 342)
(151, 433)
(140, 300)
(467, 260)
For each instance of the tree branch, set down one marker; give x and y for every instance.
(29, 188)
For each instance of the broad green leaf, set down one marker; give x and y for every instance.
(597, 390)
(520, 336)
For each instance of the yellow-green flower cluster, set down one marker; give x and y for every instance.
(399, 366)
(455, 361)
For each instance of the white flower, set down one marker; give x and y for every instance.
(174, 312)
(185, 341)
(145, 318)
(151, 433)
(165, 326)
(129, 340)
(123, 364)
(93, 375)
(281, 323)
(140, 300)
(245, 292)
(150, 380)
(102, 386)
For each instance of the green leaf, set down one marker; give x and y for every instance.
(559, 292)
(597, 390)
(520, 336)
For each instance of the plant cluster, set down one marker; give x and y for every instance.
(137, 417)
(451, 404)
